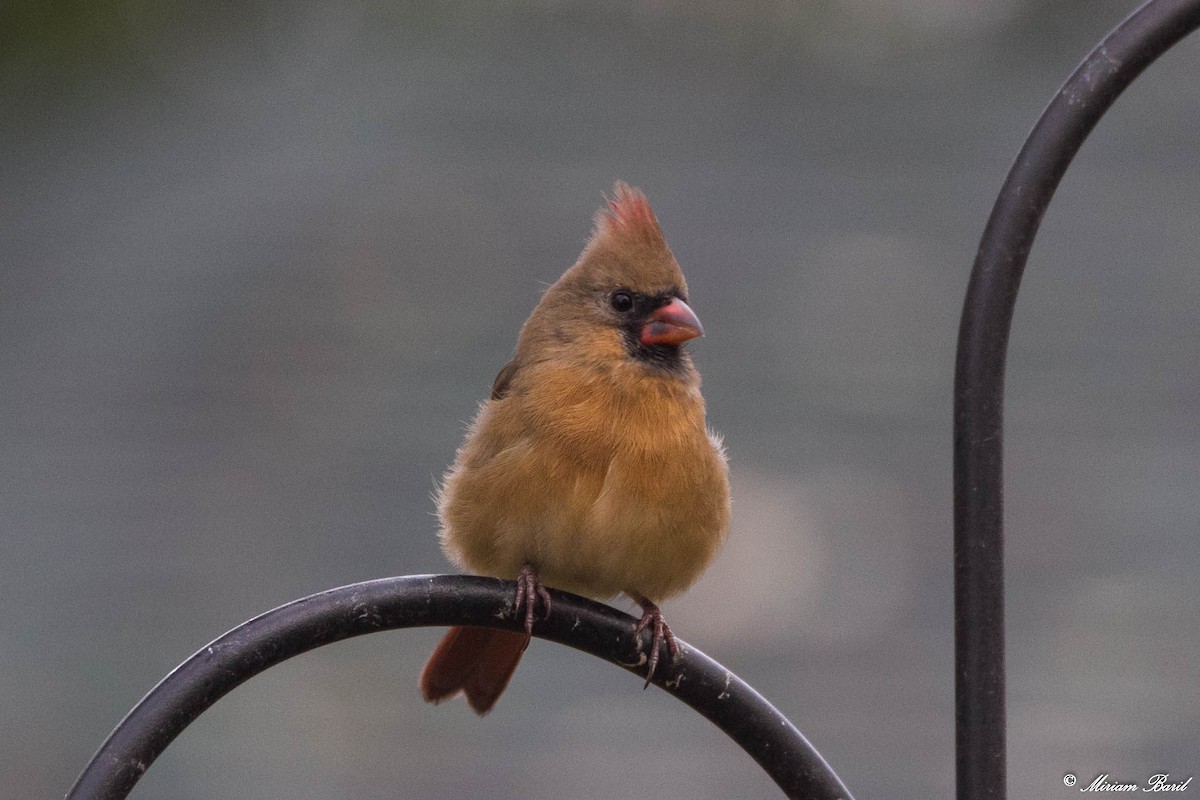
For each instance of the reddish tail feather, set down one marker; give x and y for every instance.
(475, 661)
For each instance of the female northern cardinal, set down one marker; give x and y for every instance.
(590, 467)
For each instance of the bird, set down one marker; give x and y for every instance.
(591, 467)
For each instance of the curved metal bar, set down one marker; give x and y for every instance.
(979, 375)
(420, 600)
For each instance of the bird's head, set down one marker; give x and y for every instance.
(625, 298)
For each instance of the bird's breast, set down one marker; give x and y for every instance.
(608, 481)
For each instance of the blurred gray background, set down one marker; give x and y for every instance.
(259, 262)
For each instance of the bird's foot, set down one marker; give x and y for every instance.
(529, 591)
(661, 632)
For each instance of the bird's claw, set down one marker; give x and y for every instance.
(529, 592)
(661, 631)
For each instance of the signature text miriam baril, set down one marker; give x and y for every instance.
(1155, 783)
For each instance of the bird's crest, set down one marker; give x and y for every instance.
(628, 215)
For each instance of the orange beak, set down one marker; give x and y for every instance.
(673, 323)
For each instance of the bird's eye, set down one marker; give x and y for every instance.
(621, 301)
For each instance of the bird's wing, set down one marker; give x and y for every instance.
(503, 380)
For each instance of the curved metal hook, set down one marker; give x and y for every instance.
(979, 375)
(422, 600)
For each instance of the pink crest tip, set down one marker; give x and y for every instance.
(628, 214)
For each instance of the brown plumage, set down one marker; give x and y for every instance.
(590, 467)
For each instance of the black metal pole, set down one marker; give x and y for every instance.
(979, 376)
(418, 600)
